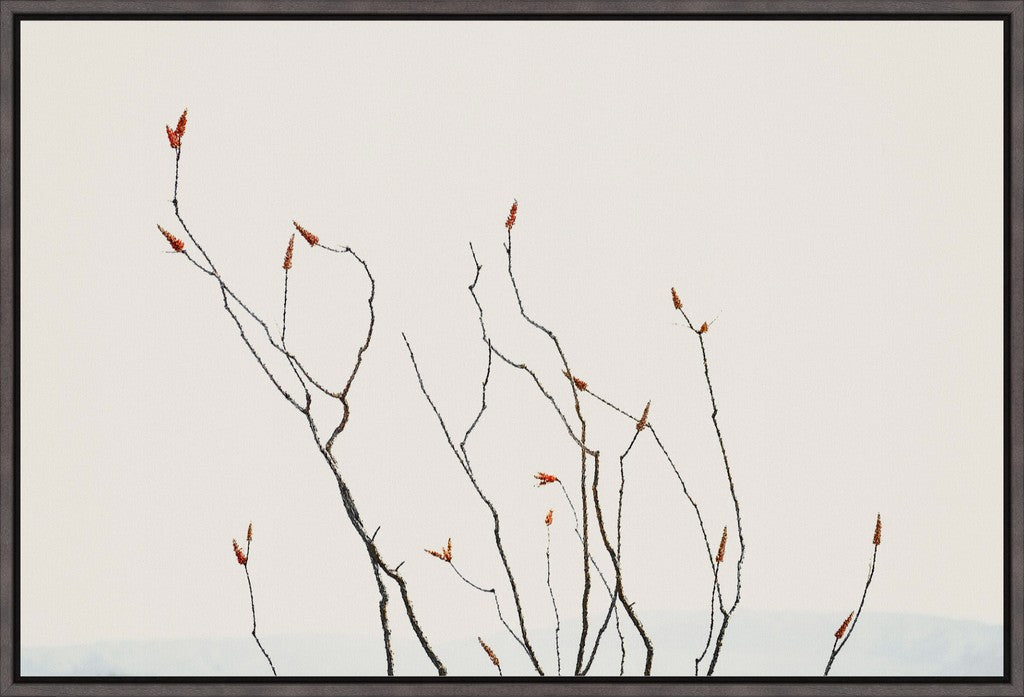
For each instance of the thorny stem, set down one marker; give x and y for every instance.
(584, 451)
(732, 491)
(611, 593)
(711, 626)
(377, 563)
(679, 477)
(462, 456)
(554, 605)
(838, 646)
(252, 604)
(618, 536)
(284, 307)
(615, 560)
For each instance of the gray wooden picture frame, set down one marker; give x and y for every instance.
(1010, 12)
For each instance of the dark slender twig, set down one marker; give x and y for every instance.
(584, 451)
(614, 606)
(252, 604)
(284, 308)
(711, 626)
(696, 508)
(841, 640)
(377, 563)
(615, 559)
(551, 592)
(462, 456)
(726, 615)
(497, 605)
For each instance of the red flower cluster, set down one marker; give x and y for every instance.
(288, 254)
(878, 531)
(721, 547)
(642, 423)
(676, 301)
(248, 534)
(444, 555)
(545, 478)
(239, 554)
(703, 328)
(176, 244)
(490, 652)
(175, 136)
(549, 518)
(307, 235)
(580, 385)
(511, 219)
(842, 628)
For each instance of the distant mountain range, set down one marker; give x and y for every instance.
(758, 644)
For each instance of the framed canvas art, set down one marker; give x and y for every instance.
(511, 348)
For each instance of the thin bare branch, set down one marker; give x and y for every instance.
(615, 559)
(582, 440)
(252, 605)
(462, 456)
(841, 640)
(348, 502)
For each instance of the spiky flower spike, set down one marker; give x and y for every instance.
(445, 554)
(176, 244)
(490, 652)
(288, 254)
(703, 328)
(642, 423)
(549, 518)
(545, 478)
(842, 628)
(721, 546)
(248, 534)
(174, 136)
(580, 385)
(239, 554)
(878, 531)
(182, 120)
(676, 302)
(511, 219)
(307, 235)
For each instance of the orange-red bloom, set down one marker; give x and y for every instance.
(182, 120)
(580, 385)
(676, 302)
(721, 547)
(511, 219)
(445, 554)
(842, 628)
(549, 518)
(642, 423)
(878, 531)
(173, 138)
(703, 328)
(239, 554)
(288, 254)
(545, 478)
(307, 235)
(490, 653)
(176, 244)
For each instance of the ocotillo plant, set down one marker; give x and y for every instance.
(846, 628)
(243, 559)
(234, 306)
(586, 504)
